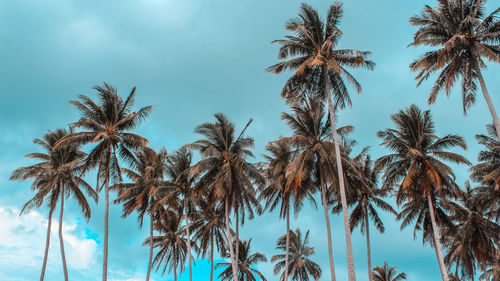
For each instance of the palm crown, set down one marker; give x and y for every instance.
(418, 154)
(106, 124)
(387, 273)
(56, 173)
(311, 50)
(301, 267)
(475, 239)
(464, 36)
(246, 264)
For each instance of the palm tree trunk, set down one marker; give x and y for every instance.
(230, 241)
(350, 257)
(486, 95)
(368, 249)
(61, 241)
(328, 229)
(212, 257)
(106, 233)
(188, 241)
(437, 243)
(287, 241)
(237, 250)
(47, 243)
(175, 266)
(150, 245)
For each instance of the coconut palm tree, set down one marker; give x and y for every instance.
(209, 230)
(487, 174)
(493, 272)
(416, 166)
(140, 194)
(476, 238)
(314, 159)
(464, 36)
(300, 266)
(55, 178)
(106, 125)
(171, 242)
(246, 264)
(179, 188)
(278, 190)
(386, 273)
(225, 174)
(321, 71)
(365, 198)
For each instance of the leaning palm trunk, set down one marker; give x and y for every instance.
(437, 243)
(188, 241)
(488, 101)
(287, 250)
(368, 249)
(230, 242)
(61, 241)
(328, 229)
(150, 245)
(47, 243)
(350, 257)
(106, 217)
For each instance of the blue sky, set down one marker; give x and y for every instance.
(191, 59)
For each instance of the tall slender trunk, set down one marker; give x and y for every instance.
(345, 212)
(151, 218)
(287, 249)
(237, 250)
(47, 243)
(106, 233)
(190, 257)
(61, 241)
(175, 265)
(212, 257)
(328, 228)
(437, 243)
(486, 95)
(368, 249)
(230, 241)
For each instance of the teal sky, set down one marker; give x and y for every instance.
(191, 59)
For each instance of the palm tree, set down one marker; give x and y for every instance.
(321, 71)
(464, 36)
(246, 264)
(493, 272)
(180, 189)
(487, 174)
(106, 125)
(416, 161)
(313, 161)
(140, 194)
(208, 230)
(475, 239)
(300, 266)
(278, 190)
(386, 273)
(365, 198)
(55, 178)
(226, 176)
(171, 242)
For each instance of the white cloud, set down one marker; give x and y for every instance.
(22, 240)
